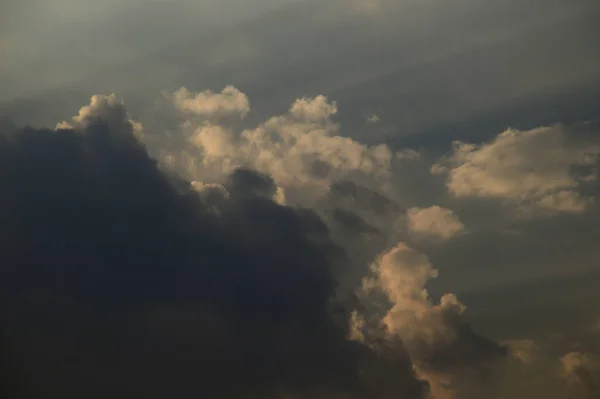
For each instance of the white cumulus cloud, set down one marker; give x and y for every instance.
(229, 102)
(434, 221)
(300, 149)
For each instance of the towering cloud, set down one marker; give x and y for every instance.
(119, 281)
(442, 346)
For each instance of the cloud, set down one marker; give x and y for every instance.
(434, 221)
(313, 109)
(105, 109)
(317, 167)
(456, 361)
(442, 346)
(301, 149)
(120, 280)
(531, 168)
(230, 102)
(127, 276)
(214, 140)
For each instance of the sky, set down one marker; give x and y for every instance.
(300, 199)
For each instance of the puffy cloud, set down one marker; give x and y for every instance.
(119, 280)
(161, 285)
(442, 346)
(456, 362)
(434, 221)
(532, 168)
(104, 109)
(230, 102)
(300, 149)
(313, 109)
(402, 274)
(303, 153)
(214, 140)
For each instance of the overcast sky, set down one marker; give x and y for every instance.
(441, 146)
(422, 66)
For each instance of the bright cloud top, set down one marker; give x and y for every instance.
(402, 274)
(532, 168)
(313, 109)
(230, 102)
(105, 109)
(301, 148)
(434, 221)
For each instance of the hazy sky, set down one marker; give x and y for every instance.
(291, 154)
(422, 66)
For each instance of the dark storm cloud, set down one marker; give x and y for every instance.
(117, 281)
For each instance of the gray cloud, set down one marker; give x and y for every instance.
(444, 72)
(326, 170)
(238, 286)
(117, 264)
(119, 281)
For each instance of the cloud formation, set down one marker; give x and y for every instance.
(301, 149)
(278, 261)
(434, 221)
(441, 344)
(121, 281)
(358, 192)
(229, 102)
(445, 351)
(532, 169)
